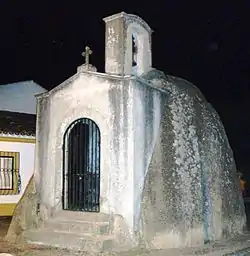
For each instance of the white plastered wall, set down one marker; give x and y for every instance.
(88, 97)
(27, 151)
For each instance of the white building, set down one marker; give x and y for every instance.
(17, 141)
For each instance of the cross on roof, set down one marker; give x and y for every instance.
(86, 54)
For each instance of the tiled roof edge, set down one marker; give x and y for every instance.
(7, 134)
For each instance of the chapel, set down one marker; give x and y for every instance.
(132, 156)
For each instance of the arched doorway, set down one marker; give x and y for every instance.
(81, 166)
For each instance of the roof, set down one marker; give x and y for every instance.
(17, 123)
(128, 17)
(20, 96)
(22, 83)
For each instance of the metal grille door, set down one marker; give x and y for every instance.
(81, 166)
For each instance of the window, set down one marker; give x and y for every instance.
(134, 51)
(9, 173)
(6, 167)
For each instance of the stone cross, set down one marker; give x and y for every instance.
(86, 54)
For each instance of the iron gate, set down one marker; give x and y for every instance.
(81, 166)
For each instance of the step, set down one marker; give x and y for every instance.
(78, 226)
(69, 240)
(83, 216)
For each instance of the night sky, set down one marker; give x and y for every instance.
(205, 42)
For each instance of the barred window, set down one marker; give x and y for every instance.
(9, 173)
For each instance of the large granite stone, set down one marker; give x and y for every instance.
(191, 192)
(25, 215)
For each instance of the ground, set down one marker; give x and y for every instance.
(29, 250)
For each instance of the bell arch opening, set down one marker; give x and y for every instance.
(81, 166)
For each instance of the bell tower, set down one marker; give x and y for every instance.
(127, 45)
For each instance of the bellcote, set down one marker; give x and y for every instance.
(127, 45)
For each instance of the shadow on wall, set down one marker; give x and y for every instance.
(4, 226)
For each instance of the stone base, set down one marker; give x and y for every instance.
(90, 232)
(67, 240)
(240, 246)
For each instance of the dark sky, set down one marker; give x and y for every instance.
(205, 42)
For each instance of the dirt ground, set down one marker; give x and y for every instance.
(4, 224)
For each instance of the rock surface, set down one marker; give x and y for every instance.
(185, 200)
(22, 218)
